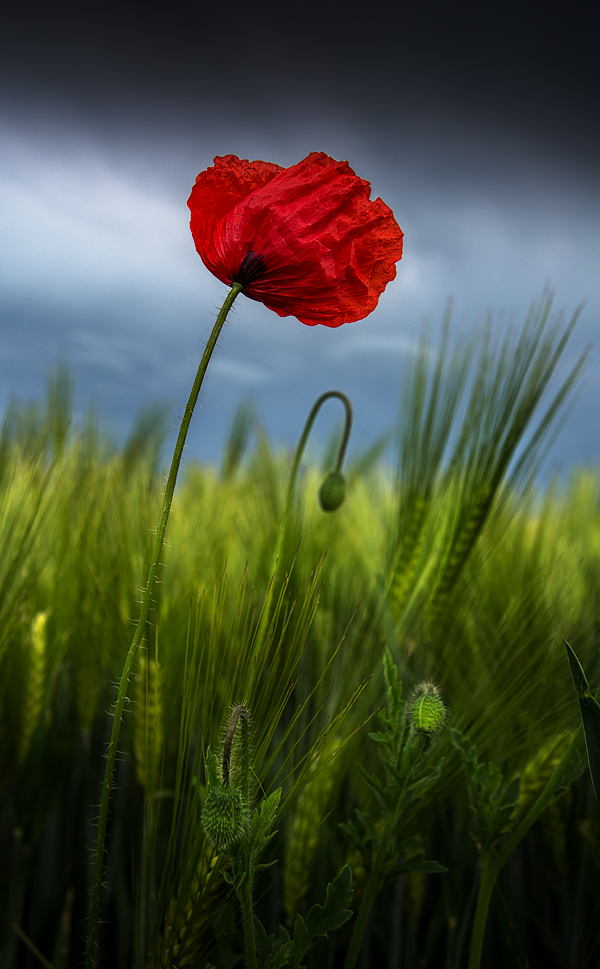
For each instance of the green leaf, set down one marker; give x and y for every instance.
(510, 795)
(419, 863)
(381, 793)
(574, 770)
(263, 820)
(272, 953)
(268, 864)
(590, 717)
(394, 688)
(409, 843)
(579, 678)
(426, 776)
(351, 832)
(380, 738)
(281, 957)
(264, 942)
(492, 801)
(323, 918)
(367, 822)
(463, 744)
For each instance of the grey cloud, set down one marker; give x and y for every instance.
(97, 261)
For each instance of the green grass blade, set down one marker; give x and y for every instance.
(34, 949)
(590, 717)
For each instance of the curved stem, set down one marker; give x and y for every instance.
(491, 865)
(143, 618)
(298, 457)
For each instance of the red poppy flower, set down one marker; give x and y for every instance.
(306, 241)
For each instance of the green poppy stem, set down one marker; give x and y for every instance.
(298, 457)
(143, 618)
(244, 894)
(492, 864)
(369, 895)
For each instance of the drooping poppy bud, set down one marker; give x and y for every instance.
(332, 492)
(306, 241)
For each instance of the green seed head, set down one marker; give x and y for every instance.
(223, 816)
(427, 712)
(333, 491)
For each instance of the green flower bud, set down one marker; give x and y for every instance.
(333, 491)
(426, 711)
(223, 816)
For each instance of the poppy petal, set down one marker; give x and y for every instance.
(318, 247)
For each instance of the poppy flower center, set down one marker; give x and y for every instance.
(252, 266)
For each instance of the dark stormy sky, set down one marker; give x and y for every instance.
(477, 123)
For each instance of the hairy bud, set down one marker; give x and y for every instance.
(223, 815)
(426, 711)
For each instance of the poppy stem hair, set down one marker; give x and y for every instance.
(138, 635)
(300, 451)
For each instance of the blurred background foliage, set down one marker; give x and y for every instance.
(454, 559)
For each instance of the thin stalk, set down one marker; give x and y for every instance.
(141, 624)
(413, 749)
(244, 894)
(369, 896)
(486, 887)
(492, 864)
(18, 865)
(33, 948)
(298, 457)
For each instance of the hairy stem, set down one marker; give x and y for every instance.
(492, 864)
(143, 618)
(244, 894)
(369, 895)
